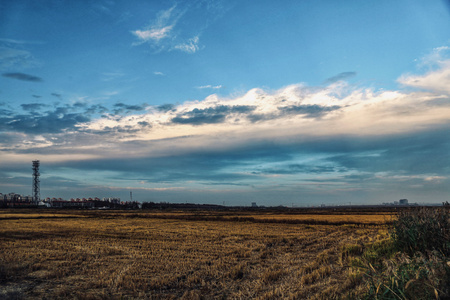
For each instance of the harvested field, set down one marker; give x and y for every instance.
(261, 217)
(106, 254)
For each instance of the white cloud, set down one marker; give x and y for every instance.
(438, 76)
(437, 80)
(214, 87)
(159, 73)
(154, 34)
(295, 112)
(348, 111)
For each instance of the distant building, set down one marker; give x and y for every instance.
(112, 200)
(403, 201)
(15, 200)
(254, 204)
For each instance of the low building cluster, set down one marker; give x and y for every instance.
(17, 200)
(402, 202)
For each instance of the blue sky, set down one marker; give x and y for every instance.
(274, 102)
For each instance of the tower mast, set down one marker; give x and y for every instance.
(36, 182)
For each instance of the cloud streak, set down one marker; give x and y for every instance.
(22, 76)
(340, 76)
(154, 34)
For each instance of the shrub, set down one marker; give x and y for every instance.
(420, 269)
(422, 230)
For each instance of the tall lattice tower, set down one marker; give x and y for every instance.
(36, 188)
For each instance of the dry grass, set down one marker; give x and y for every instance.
(104, 255)
(354, 218)
(17, 214)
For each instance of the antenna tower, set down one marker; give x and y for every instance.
(36, 182)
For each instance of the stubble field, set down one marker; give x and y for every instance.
(172, 255)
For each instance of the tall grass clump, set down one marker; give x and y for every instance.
(422, 230)
(420, 266)
(403, 277)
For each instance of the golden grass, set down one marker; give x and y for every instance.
(372, 218)
(104, 255)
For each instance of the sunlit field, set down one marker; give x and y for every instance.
(188, 255)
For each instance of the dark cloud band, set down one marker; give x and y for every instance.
(22, 76)
(211, 115)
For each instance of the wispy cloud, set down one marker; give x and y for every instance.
(165, 33)
(160, 28)
(110, 76)
(19, 42)
(111, 93)
(435, 58)
(214, 87)
(191, 46)
(159, 73)
(15, 58)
